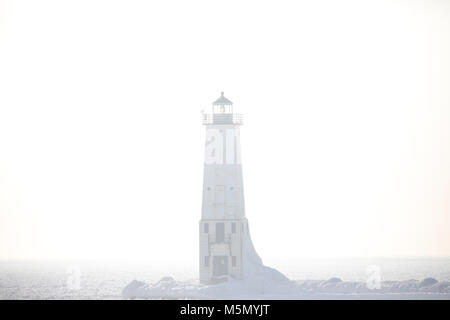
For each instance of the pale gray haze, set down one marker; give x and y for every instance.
(345, 142)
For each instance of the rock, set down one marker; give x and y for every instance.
(427, 282)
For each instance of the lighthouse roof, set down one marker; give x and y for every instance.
(222, 101)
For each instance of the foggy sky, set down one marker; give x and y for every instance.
(345, 143)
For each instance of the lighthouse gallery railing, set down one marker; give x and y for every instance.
(222, 118)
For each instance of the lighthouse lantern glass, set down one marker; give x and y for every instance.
(223, 108)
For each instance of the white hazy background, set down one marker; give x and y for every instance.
(346, 142)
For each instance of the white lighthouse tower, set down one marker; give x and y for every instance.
(223, 226)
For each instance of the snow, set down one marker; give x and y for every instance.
(168, 288)
(107, 280)
(258, 279)
(262, 282)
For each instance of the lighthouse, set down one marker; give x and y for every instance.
(223, 225)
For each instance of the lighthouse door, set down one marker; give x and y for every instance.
(220, 265)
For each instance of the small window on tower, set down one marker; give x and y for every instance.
(206, 227)
(206, 261)
(233, 261)
(233, 227)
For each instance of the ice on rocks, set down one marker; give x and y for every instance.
(262, 282)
